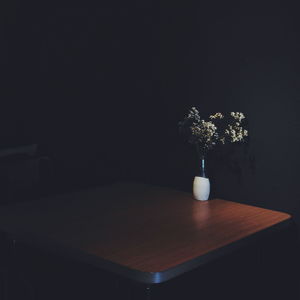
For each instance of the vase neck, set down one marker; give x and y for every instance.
(202, 172)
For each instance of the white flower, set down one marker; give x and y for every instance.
(205, 134)
(238, 116)
(217, 115)
(194, 114)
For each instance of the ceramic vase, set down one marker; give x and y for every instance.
(201, 184)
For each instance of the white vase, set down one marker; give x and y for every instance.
(201, 188)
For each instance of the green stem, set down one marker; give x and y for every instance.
(201, 157)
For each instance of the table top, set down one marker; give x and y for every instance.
(146, 233)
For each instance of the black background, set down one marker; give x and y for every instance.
(101, 88)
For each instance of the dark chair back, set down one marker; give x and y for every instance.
(23, 176)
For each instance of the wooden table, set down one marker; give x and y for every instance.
(144, 233)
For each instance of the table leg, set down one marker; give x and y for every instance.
(141, 292)
(148, 293)
(15, 274)
(5, 294)
(9, 270)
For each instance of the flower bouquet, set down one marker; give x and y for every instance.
(205, 135)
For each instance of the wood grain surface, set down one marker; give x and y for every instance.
(140, 227)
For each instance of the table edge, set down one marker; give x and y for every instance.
(141, 276)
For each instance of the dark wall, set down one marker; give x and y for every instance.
(244, 58)
(239, 57)
(101, 89)
(77, 80)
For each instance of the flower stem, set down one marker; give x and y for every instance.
(201, 157)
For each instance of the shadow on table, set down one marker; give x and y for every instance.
(268, 269)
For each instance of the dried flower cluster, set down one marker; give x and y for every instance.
(216, 116)
(235, 131)
(206, 134)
